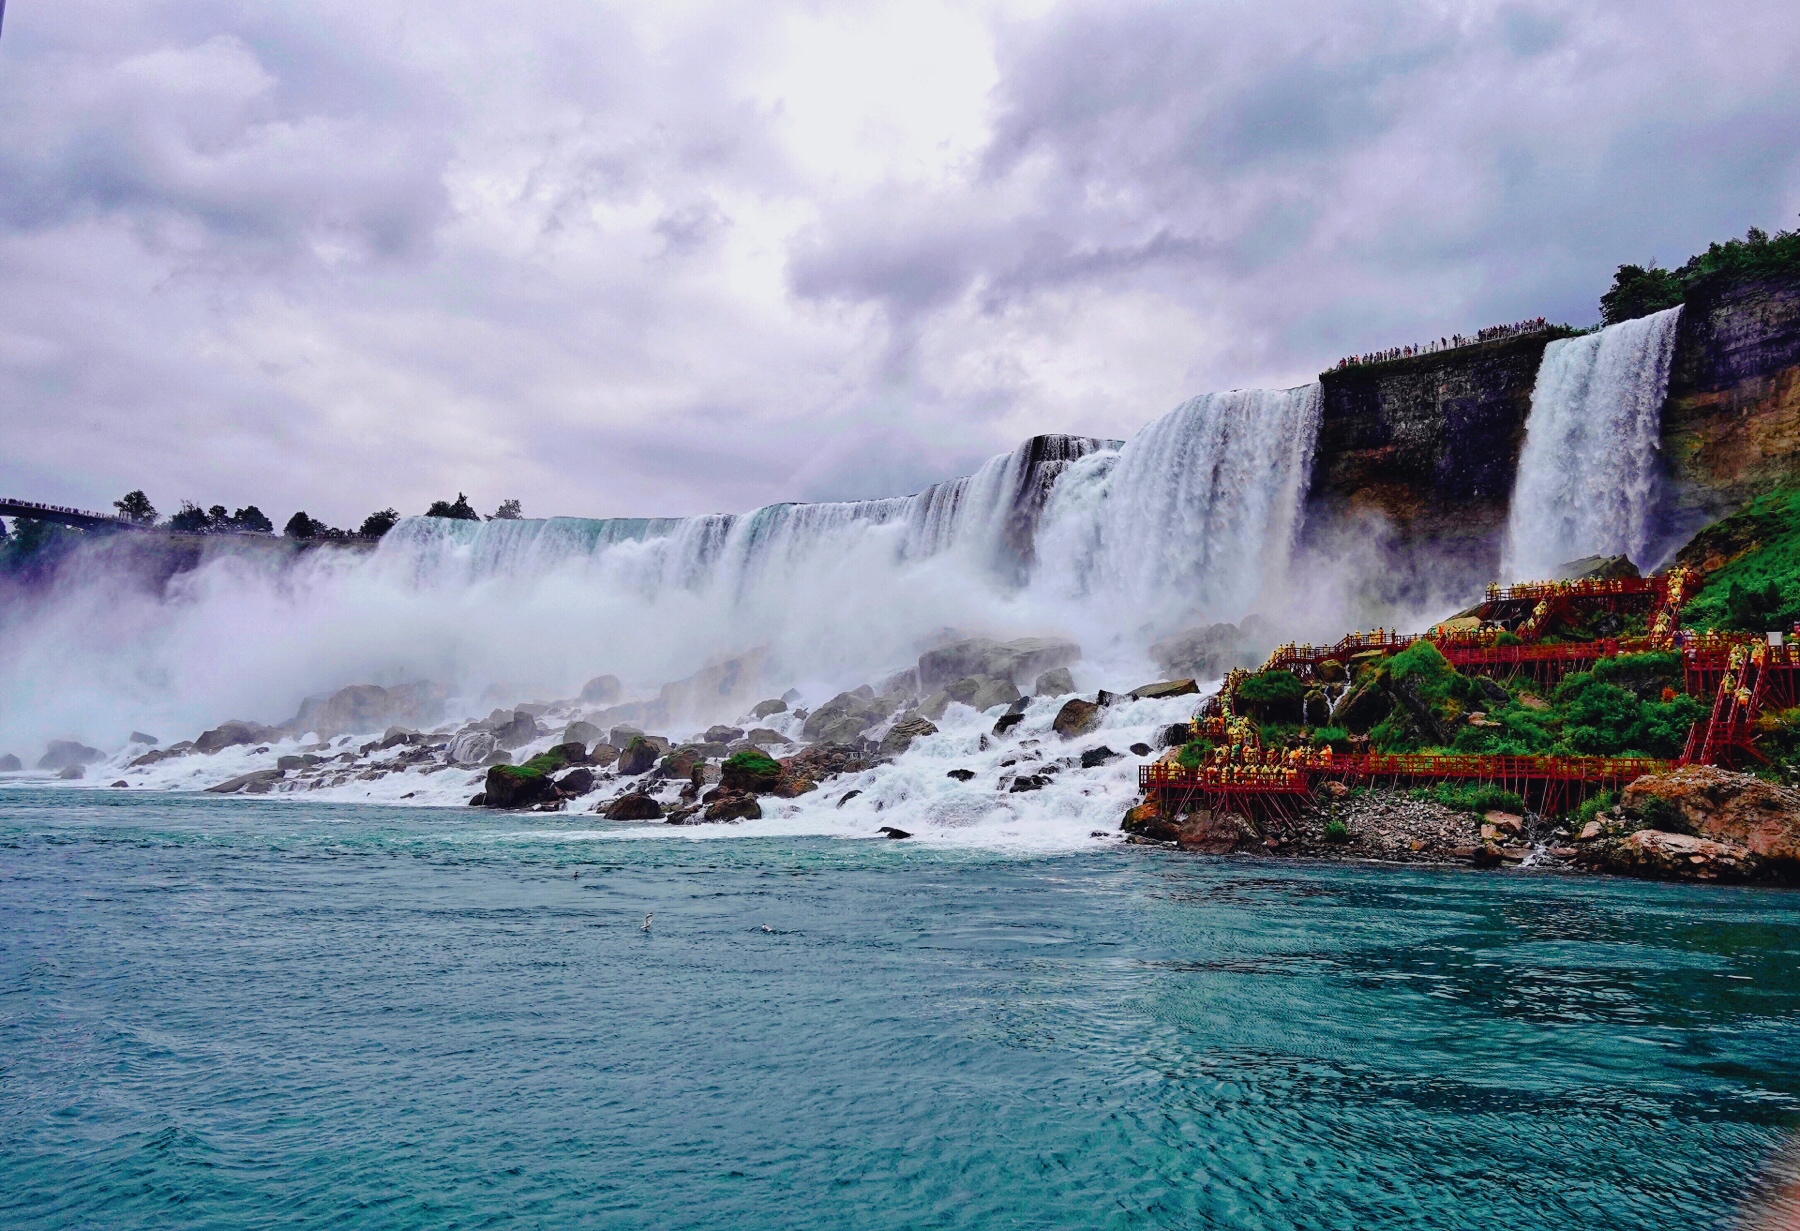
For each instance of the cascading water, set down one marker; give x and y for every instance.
(1587, 474)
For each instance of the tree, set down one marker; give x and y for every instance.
(136, 508)
(192, 519)
(251, 519)
(1637, 291)
(219, 518)
(375, 525)
(300, 526)
(460, 510)
(509, 510)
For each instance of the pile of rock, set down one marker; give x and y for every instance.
(1697, 823)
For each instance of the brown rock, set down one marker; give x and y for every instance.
(1076, 718)
(1678, 856)
(1165, 688)
(733, 807)
(1216, 832)
(1730, 808)
(634, 807)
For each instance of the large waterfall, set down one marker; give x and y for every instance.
(1587, 474)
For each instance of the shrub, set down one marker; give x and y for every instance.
(1591, 808)
(375, 525)
(1335, 738)
(1638, 290)
(1475, 797)
(753, 763)
(457, 510)
(1193, 753)
(1272, 696)
(1336, 831)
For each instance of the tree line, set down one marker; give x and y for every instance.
(135, 507)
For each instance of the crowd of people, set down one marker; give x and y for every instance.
(1517, 329)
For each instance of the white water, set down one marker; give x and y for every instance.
(1187, 523)
(1587, 473)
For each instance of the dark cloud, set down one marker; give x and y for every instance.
(617, 259)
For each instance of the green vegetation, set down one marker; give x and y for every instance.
(136, 507)
(1272, 697)
(540, 766)
(1639, 291)
(1193, 753)
(1477, 797)
(1335, 738)
(753, 764)
(1592, 808)
(458, 509)
(1755, 585)
(1336, 831)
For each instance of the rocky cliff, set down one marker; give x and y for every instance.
(1425, 449)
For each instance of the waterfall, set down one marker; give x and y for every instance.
(1587, 473)
(1197, 513)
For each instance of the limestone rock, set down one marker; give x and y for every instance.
(634, 807)
(582, 733)
(62, 753)
(1216, 833)
(749, 773)
(602, 754)
(10, 764)
(904, 732)
(1056, 682)
(511, 786)
(233, 734)
(734, 807)
(847, 716)
(1076, 718)
(602, 690)
(638, 756)
(513, 730)
(71, 772)
(470, 747)
(763, 737)
(722, 734)
(1677, 856)
(257, 782)
(368, 707)
(138, 737)
(1024, 658)
(1726, 807)
(1205, 652)
(764, 709)
(578, 781)
(1165, 688)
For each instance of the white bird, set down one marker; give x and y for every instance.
(647, 919)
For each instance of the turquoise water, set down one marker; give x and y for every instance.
(216, 1013)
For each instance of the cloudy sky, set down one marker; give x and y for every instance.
(680, 256)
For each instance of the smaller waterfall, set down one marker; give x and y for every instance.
(1587, 473)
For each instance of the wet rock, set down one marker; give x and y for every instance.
(574, 752)
(10, 764)
(847, 715)
(639, 756)
(822, 761)
(961, 775)
(583, 733)
(1140, 750)
(904, 732)
(498, 756)
(1028, 782)
(515, 731)
(1722, 806)
(902, 684)
(578, 781)
(63, 753)
(478, 799)
(257, 782)
(634, 807)
(71, 772)
(888, 831)
(1076, 718)
(138, 737)
(1216, 833)
(121, 783)
(1206, 652)
(847, 797)
(602, 690)
(1024, 658)
(734, 807)
(1596, 568)
(1165, 688)
(1175, 735)
(1097, 756)
(763, 737)
(470, 748)
(1360, 709)
(233, 734)
(764, 709)
(1660, 855)
(1056, 682)
(723, 735)
(1007, 722)
(750, 772)
(622, 735)
(515, 786)
(602, 754)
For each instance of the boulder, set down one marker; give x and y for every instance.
(518, 786)
(1658, 855)
(762, 737)
(583, 733)
(1216, 833)
(764, 709)
(1722, 806)
(1028, 782)
(904, 732)
(572, 753)
(1056, 682)
(1146, 820)
(1076, 718)
(901, 684)
(888, 831)
(233, 734)
(638, 756)
(1097, 756)
(961, 775)
(1205, 652)
(621, 736)
(634, 807)
(602, 690)
(847, 715)
(680, 762)
(1596, 568)
(1024, 658)
(1360, 709)
(723, 734)
(982, 692)
(1165, 688)
(733, 807)
(1007, 721)
(10, 764)
(578, 781)
(470, 747)
(71, 772)
(138, 737)
(821, 761)
(498, 756)
(1175, 735)
(368, 707)
(1140, 750)
(602, 754)
(750, 773)
(257, 782)
(62, 753)
(514, 730)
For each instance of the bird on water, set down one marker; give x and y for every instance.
(645, 927)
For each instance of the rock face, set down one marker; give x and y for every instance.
(367, 707)
(234, 733)
(1076, 718)
(1208, 652)
(602, 690)
(62, 753)
(1024, 658)
(1056, 682)
(904, 732)
(10, 764)
(470, 748)
(582, 733)
(1727, 807)
(258, 782)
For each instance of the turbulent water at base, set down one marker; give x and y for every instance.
(223, 1014)
(1587, 474)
